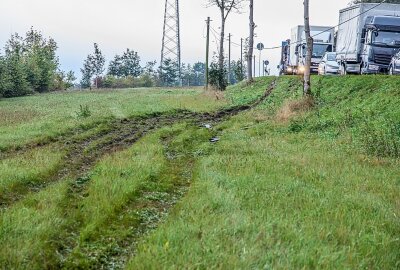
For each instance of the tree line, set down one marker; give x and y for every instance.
(125, 71)
(29, 64)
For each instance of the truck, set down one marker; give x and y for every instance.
(283, 67)
(368, 36)
(323, 37)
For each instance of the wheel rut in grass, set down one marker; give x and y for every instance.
(117, 135)
(142, 212)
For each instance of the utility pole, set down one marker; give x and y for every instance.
(254, 66)
(207, 51)
(251, 43)
(241, 56)
(307, 70)
(259, 65)
(229, 59)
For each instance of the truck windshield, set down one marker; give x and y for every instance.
(386, 38)
(320, 49)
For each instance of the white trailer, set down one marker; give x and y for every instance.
(323, 42)
(367, 38)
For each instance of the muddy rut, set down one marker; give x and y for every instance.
(120, 134)
(82, 155)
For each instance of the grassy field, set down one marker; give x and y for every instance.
(292, 184)
(43, 117)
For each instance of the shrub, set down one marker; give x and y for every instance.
(217, 77)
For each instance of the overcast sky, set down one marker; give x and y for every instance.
(137, 24)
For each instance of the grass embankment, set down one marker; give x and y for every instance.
(288, 186)
(43, 117)
(293, 187)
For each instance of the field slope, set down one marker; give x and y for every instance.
(292, 183)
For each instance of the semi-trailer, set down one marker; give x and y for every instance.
(368, 36)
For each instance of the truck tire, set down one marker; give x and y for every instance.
(391, 70)
(343, 70)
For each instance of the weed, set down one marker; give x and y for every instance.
(84, 111)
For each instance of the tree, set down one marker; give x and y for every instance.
(309, 40)
(169, 73)
(115, 67)
(131, 64)
(250, 50)
(149, 68)
(126, 65)
(225, 7)
(41, 61)
(218, 78)
(92, 66)
(238, 74)
(30, 64)
(98, 61)
(199, 71)
(87, 72)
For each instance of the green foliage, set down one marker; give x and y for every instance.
(217, 77)
(29, 64)
(193, 75)
(144, 80)
(238, 71)
(381, 138)
(169, 73)
(126, 65)
(92, 66)
(84, 111)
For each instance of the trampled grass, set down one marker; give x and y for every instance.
(288, 186)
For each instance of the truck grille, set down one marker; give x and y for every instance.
(383, 59)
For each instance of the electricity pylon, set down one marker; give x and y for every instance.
(171, 42)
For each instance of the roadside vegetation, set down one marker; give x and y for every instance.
(291, 183)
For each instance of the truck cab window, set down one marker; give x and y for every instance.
(386, 38)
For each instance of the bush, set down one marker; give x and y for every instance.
(218, 77)
(125, 82)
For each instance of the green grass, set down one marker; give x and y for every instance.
(318, 189)
(75, 223)
(273, 197)
(45, 116)
(28, 168)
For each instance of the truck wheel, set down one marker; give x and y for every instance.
(391, 70)
(343, 70)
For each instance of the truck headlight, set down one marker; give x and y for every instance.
(289, 69)
(302, 68)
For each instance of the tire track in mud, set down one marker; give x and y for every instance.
(120, 134)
